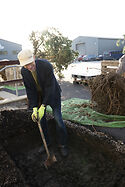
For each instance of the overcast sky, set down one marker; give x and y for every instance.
(73, 18)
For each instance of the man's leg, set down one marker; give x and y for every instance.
(61, 129)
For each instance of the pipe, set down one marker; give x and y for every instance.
(7, 101)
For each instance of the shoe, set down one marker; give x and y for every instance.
(63, 150)
(42, 148)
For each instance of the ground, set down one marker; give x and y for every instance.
(94, 159)
(70, 90)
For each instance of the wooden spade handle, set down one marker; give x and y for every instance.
(43, 138)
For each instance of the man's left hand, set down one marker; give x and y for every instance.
(41, 112)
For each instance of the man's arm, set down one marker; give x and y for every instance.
(49, 86)
(121, 67)
(30, 86)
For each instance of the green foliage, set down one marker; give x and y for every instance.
(52, 45)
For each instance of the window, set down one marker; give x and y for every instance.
(3, 52)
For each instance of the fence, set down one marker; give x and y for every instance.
(108, 66)
(11, 73)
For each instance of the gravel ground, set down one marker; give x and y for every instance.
(70, 90)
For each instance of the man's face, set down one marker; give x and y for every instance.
(31, 66)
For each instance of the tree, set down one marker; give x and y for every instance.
(122, 42)
(52, 45)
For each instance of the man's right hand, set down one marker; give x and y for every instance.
(34, 114)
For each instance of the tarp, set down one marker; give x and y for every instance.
(80, 111)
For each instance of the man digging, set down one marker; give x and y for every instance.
(43, 89)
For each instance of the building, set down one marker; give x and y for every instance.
(95, 46)
(9, 50)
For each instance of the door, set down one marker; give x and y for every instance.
(81, 48)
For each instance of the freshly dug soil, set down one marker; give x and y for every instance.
(10, 175)
(108, 92)
(94, 158)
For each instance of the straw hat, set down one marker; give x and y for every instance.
(25, 57)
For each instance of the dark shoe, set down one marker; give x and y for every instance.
(63, 150)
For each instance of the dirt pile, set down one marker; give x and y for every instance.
(108, 92)
(10, 175)
(94, 159)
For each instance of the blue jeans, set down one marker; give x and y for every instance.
(60, 126)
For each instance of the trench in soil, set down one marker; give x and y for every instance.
(84, 166)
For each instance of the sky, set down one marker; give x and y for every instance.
(73, 18)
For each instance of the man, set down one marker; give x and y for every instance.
(121, 67)
(43, 89)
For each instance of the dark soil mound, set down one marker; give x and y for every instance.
(108, 92)
(94, 159)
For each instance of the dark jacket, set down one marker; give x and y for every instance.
(51, 91)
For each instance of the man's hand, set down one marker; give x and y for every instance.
(34, 114)
(41, 112)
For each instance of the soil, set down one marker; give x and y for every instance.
(94, 159)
